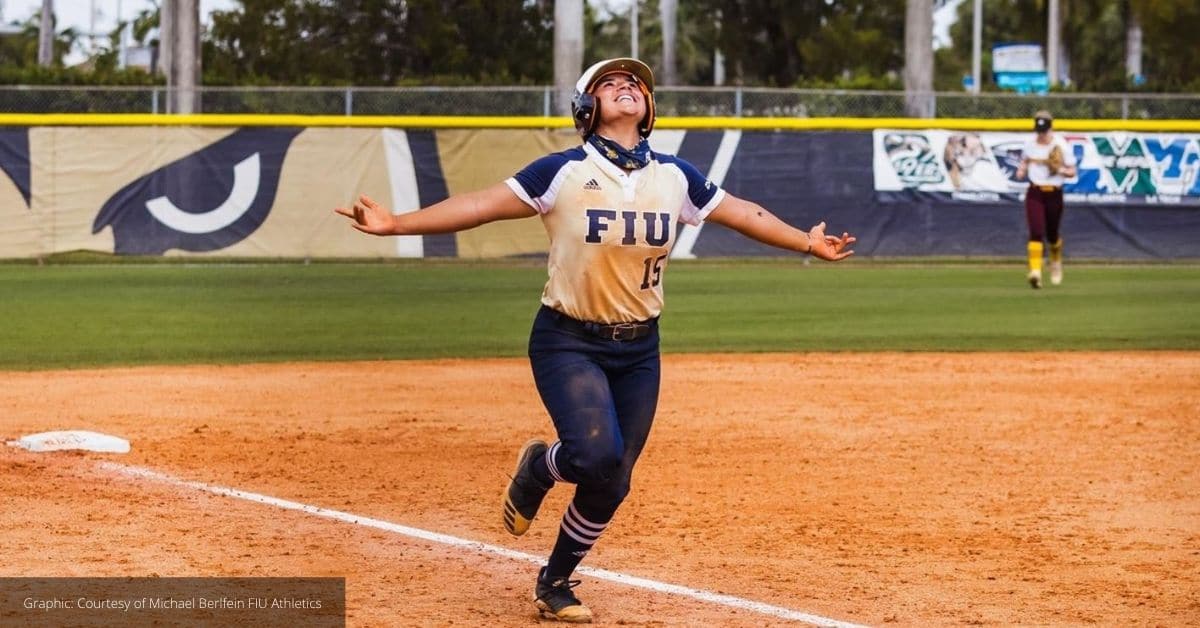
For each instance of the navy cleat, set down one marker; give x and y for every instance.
(524, 494)
(555, 600)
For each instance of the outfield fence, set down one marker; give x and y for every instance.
(542, 101)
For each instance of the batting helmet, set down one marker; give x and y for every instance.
(584, 108)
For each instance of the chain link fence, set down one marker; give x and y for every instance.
(542, 101)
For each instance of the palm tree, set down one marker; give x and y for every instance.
(918, 59)
(568, 50)
(46, 34)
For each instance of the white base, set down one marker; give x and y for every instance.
(72, 439)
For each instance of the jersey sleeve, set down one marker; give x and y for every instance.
(702, 196)
(537, 184)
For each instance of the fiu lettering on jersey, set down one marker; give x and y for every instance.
(599, 219)
(610, 230)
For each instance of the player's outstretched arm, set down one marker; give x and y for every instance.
(754, 221)
(457, 213)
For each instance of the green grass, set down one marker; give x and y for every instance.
(80, 315)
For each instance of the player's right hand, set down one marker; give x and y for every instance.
(369, 216)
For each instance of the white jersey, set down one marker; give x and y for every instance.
(611, 230)
(1037, 171)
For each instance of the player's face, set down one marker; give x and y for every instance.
(619, 94)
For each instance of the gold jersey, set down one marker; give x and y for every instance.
(611, 230)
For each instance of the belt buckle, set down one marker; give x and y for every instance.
(624, 331)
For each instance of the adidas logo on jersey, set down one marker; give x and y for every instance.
(591, 185)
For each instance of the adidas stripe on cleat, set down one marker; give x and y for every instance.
(555, 600)
(524, 493)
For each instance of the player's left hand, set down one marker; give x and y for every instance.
(827, 247)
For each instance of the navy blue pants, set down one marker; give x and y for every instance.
(601, 395)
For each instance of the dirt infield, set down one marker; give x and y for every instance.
(902, 489)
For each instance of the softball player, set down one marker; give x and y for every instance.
(1048, 162)
(611, 208)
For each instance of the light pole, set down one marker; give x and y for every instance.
(976, 45)
(1052, 44)
(633, 29)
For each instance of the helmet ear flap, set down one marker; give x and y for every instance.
(583, 111)
(647, 124)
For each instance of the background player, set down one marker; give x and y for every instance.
(1048, 162)
(610, 208)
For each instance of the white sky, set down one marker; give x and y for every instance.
(944, 17)
(75, 13)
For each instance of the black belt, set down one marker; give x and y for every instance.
(614, 331)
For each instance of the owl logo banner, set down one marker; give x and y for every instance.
(206, 201)
(967, 166)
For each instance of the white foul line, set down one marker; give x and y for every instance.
(445, 539)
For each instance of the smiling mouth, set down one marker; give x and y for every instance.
(624, 98)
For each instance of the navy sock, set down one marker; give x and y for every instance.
(576, 536)
(541, 472)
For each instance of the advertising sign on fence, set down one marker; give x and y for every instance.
(1113, 167)
(1020, 67)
